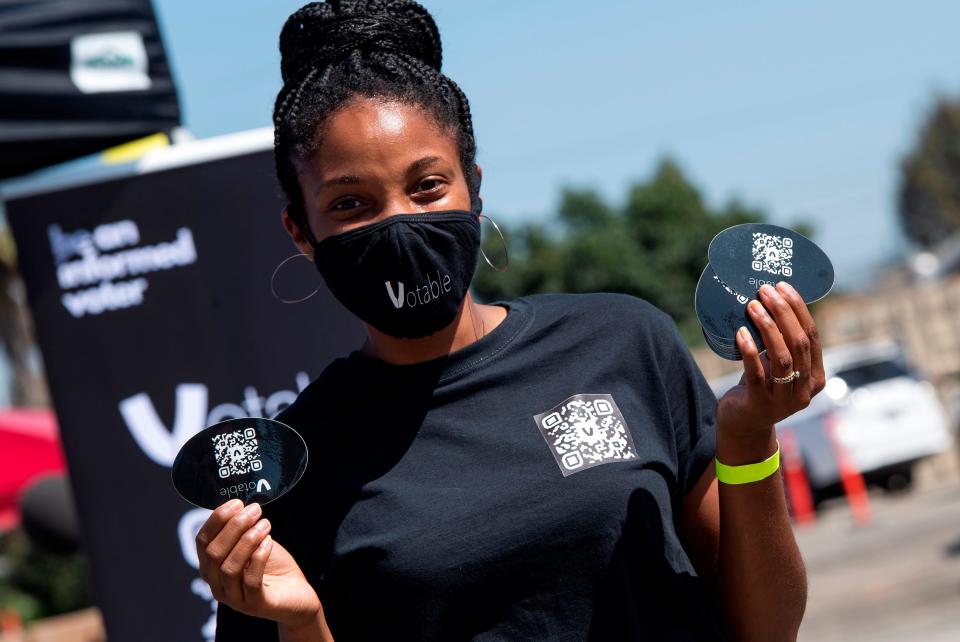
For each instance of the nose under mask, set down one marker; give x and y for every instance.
(406, 275)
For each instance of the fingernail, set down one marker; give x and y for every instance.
(766, 287)
(262, 525)
(265, 543)
(783, 286)
(251, 510)
(754, 306)
(234, 505)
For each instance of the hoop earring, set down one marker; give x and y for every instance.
(273, 278)
(506, 256)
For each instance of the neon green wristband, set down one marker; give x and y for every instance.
(748, 472)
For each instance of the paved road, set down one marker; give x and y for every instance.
(896, 579)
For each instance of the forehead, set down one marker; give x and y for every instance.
(368, 136)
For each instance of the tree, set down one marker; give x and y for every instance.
(17, 346)
(929, 193)
(653, 246)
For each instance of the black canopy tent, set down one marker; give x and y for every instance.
(77, 77)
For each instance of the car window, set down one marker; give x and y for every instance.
(867, 373)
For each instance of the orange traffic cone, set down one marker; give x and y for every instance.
(798, 488)
(853, 484)
(10, 621)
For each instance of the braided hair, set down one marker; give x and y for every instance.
(336, 51)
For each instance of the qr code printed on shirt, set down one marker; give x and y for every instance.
(585, 431)
(237, 452)
(772, 253)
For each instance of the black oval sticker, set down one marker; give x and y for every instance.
(749, 255)
(252, 459)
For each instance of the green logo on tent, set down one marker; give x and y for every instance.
(109, 60)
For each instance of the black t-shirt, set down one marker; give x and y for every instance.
(526, 487)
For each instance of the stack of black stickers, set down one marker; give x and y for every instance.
(743, 258)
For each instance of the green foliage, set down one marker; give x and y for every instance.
(929, 194)
(653, 246)
(39, 584)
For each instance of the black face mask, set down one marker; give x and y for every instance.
(406, 275)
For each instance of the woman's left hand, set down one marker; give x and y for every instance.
(750, 409)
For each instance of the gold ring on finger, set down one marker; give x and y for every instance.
(790, 377)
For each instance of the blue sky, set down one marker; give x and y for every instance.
(803, 109)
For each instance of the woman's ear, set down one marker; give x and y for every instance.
(296, 234)
(478, 176)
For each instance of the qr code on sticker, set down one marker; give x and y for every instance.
(584, 431)
(772, 253)
(237, 452)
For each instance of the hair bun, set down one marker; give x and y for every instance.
(321, 33)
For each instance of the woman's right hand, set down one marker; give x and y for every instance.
(250, 572)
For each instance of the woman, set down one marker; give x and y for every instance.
(534, 469)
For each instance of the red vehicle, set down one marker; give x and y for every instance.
(29, 448)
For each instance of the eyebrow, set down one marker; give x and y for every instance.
(346, 179)
(421, 163)
(349, 179)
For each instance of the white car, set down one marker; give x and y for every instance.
(883, 415)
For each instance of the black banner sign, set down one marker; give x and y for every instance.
(151, 298)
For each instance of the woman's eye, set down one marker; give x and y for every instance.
(346, 204)
(429, 184)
